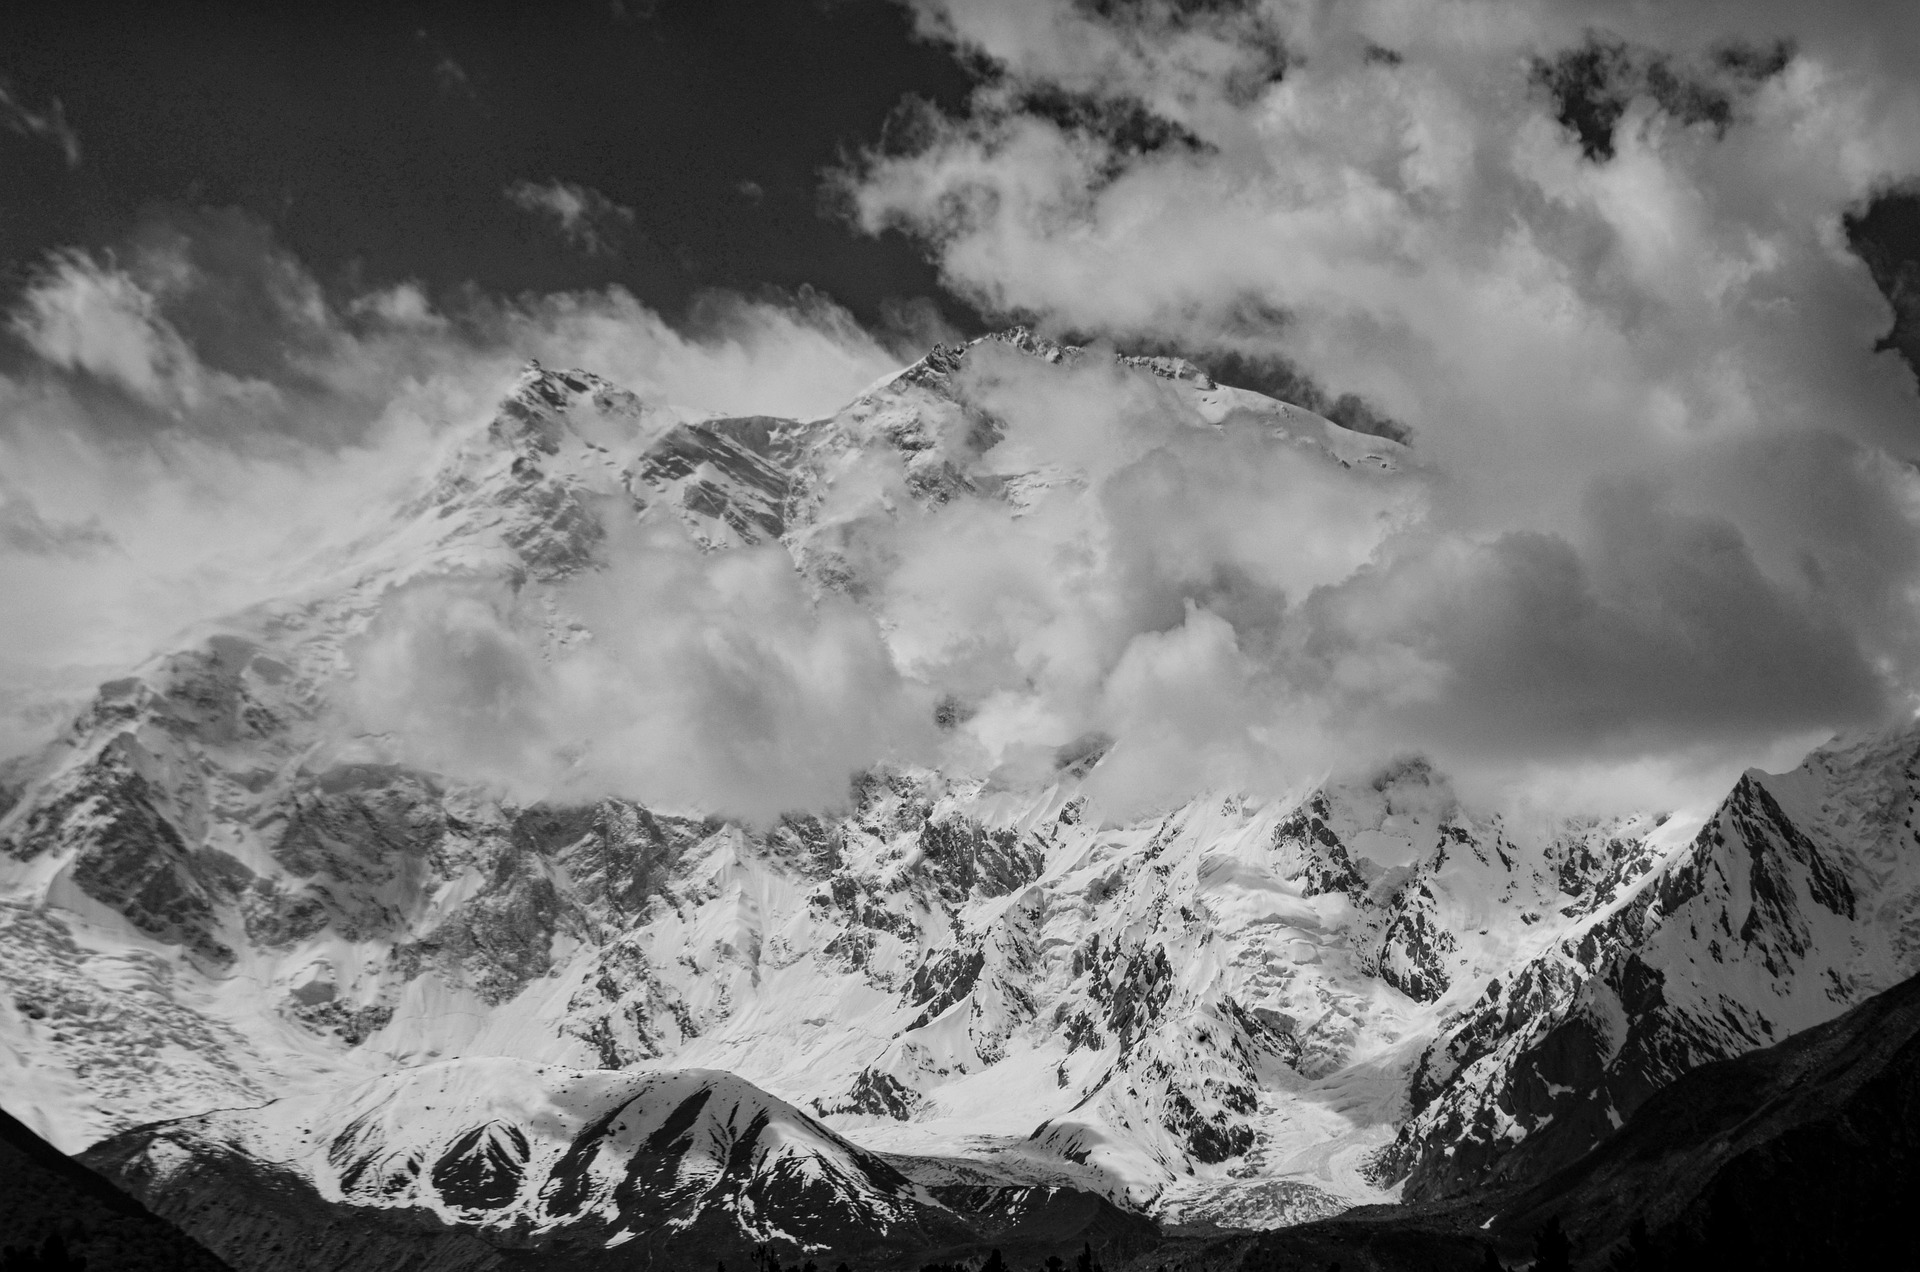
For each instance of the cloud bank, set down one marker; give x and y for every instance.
(1658, 523)
(185, 418)
(1594, 256)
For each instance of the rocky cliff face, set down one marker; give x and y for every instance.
(1255, 1012)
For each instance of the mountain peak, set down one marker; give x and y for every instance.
(545, 409)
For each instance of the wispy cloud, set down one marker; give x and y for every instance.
(90, 315)
(449, 76)
(24, 528)
(48, 124)
(584, 217)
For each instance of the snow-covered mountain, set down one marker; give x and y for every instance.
(1237, 1011)
(537, 1158)
(1794, 902)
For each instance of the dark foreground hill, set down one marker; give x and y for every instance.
(58, 1216)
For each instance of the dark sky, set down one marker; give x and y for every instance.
(376, 140)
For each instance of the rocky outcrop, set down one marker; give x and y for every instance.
(720, 471)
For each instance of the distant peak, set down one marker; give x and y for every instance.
(530, 416)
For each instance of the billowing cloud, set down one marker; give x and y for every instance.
(23, 528)
(587, 219)
(1594, 256)
(707, 684)
(195, 415)
(1659, 521)
(1239, 611)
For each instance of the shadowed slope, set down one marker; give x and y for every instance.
(48, 1194)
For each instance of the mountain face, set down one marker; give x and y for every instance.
(960, 1007)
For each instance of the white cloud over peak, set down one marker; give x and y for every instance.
(194, 416)
(1672, 518)
(709, 684)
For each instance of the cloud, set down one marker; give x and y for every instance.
(915, 324)
(193, 421)
(1147, 588)
(705, 684)
(203, 324)
(1664, 630)
(23, 528)
(1593, 256)
(84, 314)
(1659, 521)
(586, 218)
(449, 76)
(49, 125)
(1239, 611)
